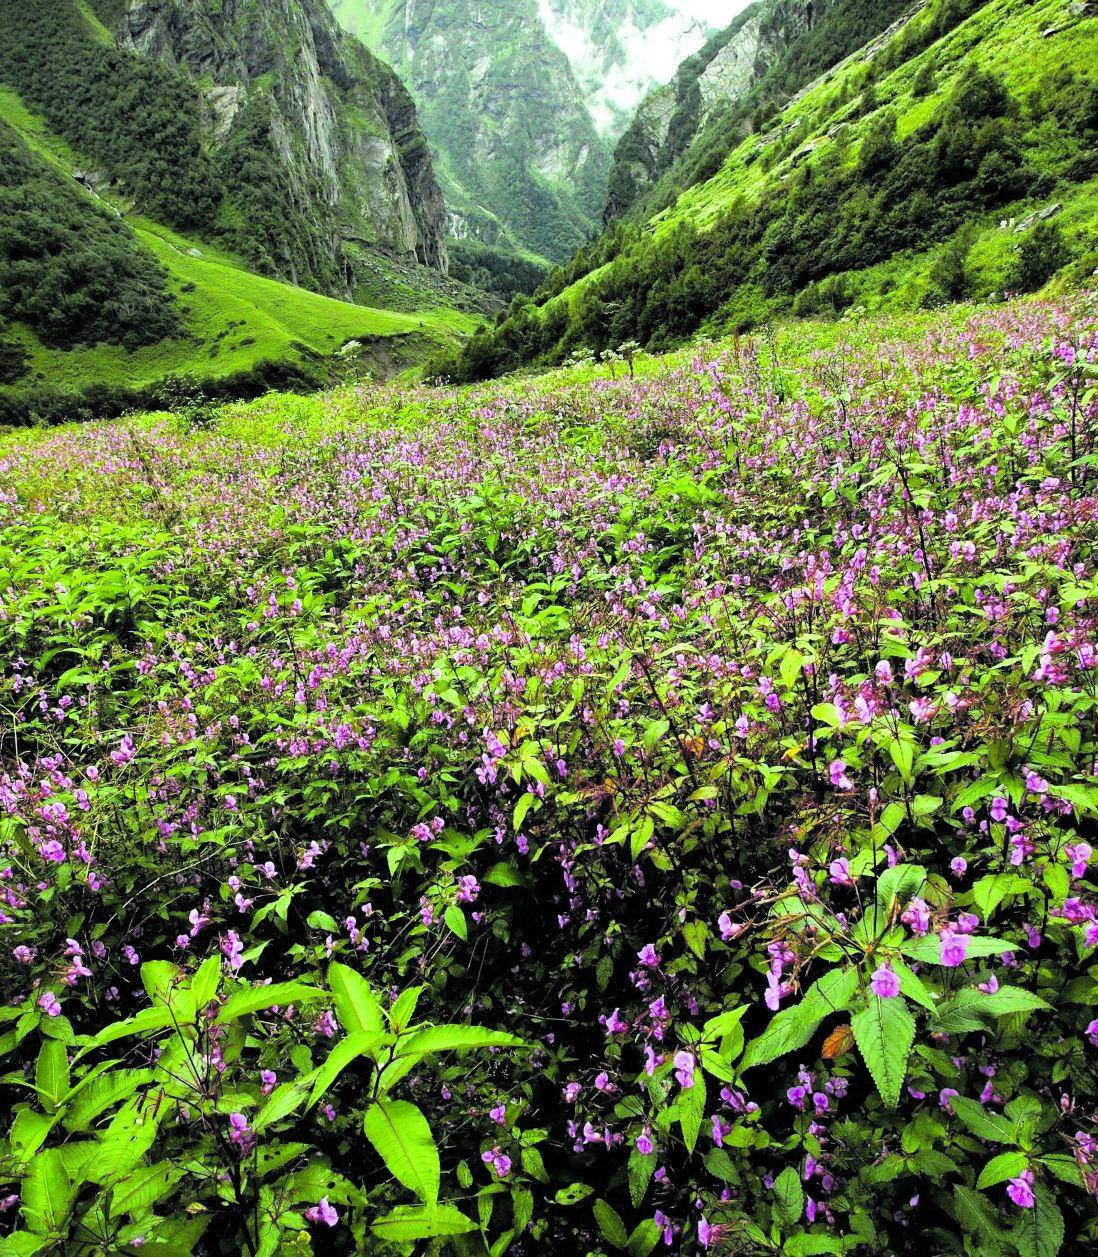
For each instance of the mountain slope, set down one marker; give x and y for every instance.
(518, 154)
(957, 158)
(683, 131)
(263, 125)
(102, 308)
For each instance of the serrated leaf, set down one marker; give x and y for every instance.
(258, 998)
(789, 1196)
(610, 1224)
(409, 1223)
(1039, 1231)
(999, 1169)
(884, 1033)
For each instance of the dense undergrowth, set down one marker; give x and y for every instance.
(663, 807)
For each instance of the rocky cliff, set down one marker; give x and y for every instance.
(342, 128)
(682, 131)
(261, 124)
(520, 158)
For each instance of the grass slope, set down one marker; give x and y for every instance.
(233, 318)
(818, 138)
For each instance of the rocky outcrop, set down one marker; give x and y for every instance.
(347, 155)
(769, 53)
(519, 156)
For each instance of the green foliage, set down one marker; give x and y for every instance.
(134, 116)
(1041, 254)
(69, 269)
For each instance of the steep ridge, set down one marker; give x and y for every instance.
(263, 125)
(521, 161)
(774, 48)
(955, 155)
(163, 174)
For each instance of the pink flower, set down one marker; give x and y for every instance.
(837, 773)
(615, 1025)
(645, 1146)
(648, 956)
(1091, 1031)
(839, 871)
(684, 1069)
(1020, 1190)
(322, 1212)
(954, 947)
(728, 928)
(885, 983)
(49, 1004)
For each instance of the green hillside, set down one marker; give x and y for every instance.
(227, 326)
(958, 161)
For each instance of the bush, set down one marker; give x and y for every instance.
(1040, 255)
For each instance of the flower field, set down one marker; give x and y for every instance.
(578, 815)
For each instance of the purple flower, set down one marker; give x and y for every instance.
(645, 1146)
(1091, 1031)
(1020, 1190)
(837, 773)
(684, 1068)
(615, 1025)
(648, 956)
(49, 1004)
(954, 947)
(322, 1212)
(885, 983)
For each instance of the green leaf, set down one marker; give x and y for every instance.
(21, 1244)
(357, 1007)
(789, 1196)
(646, 1235)
(897, 884)
(257, 998)
(455, 922)
(348, 1049)
(884, 1033)
(144, 1187)
(999, 1169)
(403, 1140)
(978, 1219)
(573, 1194)
(790, 1029)
(409, 1223)
(929, 949)
(641, 1169)
(610, 1224)
(455, 1038)
(1013, 999)
(690, 1107)
(1039, 1232)
(403, 1009)
(47, 1193)
(51, 1075)
(983, 1122)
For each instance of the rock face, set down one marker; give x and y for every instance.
(333, 128)
(519, 156)
(771, 50)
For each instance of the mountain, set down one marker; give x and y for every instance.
(520, 158)
(169, 168)
(264, 123)
(954, 154)
(620, 49)
(732, 85)
(522, 102)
